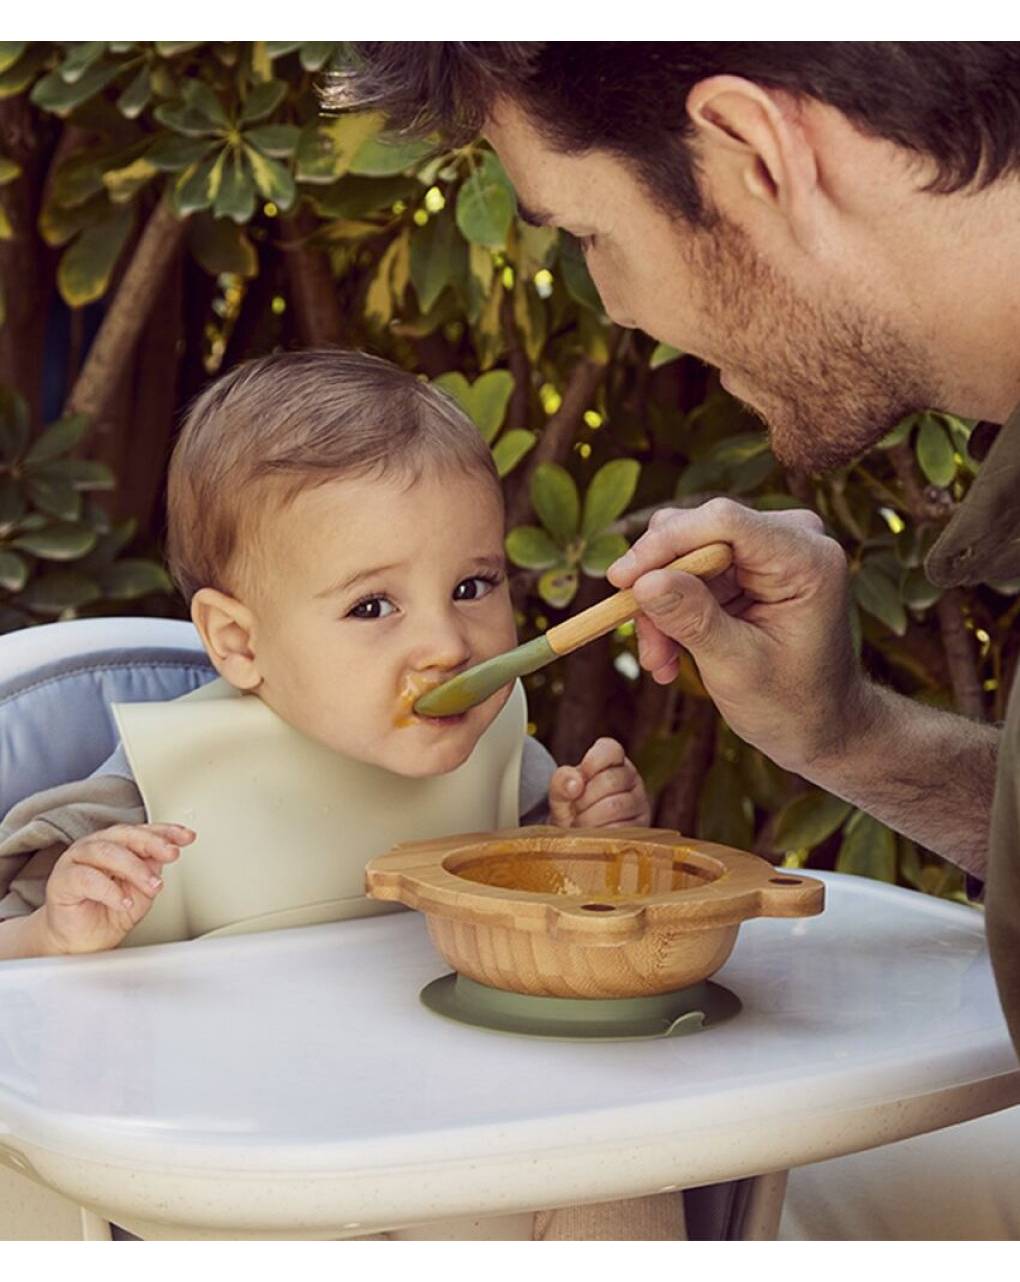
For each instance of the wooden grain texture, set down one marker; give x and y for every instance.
(571, 634)
(621, 913)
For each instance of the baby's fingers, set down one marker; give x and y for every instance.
(110, 857)
(84, 882)
(602, 755)
(565, 786)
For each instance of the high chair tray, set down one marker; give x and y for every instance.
(293, 1084)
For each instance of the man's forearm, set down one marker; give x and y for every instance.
(924, 772)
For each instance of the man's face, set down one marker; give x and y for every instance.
(370, 591)
(804, 342)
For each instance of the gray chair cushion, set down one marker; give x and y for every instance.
(58, 680)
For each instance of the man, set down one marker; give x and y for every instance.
(836, 226)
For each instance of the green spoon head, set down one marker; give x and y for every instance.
(478, 683)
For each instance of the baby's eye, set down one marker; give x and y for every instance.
(373, 607)
(473, 589)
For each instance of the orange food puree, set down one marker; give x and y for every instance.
(415, 685)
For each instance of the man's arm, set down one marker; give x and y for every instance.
(771, 640)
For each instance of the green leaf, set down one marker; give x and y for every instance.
(82, 474)
(8, 170)
(222, 246)
(53, 93)
(576, 277)
(172, 152)
(87, 264)
(558, 587)
(80, 58)
(663, 355)
(555, 499)
(14, 429)
(808, 819)
(54, 497)
(12, 503)
(532, 549)
(274, 140)
(123, 184)
(601, 552)
(20, 74)
(868, 849)
(899, 433)
(316, 53)
(59, 438)
(876, 593)
(193, 190)
(170, 48)
(485, 400)
(724, 813)
(486, 204)
(131, 578)
(935, 451)
(184, 120)
(327, 148)
(58, 225)
(381, 157)
(135, 98)
(201, 98)
(10, 52)
(58, 591)
(13, 571)
(57, 542)
(432, 260)
(611, 490)
(511, 447)
(263, 101)
(918, 591)
(359, 197)
(280, 48)
(236, 196)
(273, 180)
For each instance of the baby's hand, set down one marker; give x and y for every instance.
(103, 885)
(604, 791)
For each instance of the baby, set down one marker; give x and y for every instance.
(337, 527)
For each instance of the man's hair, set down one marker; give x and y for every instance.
(280, 424)
(953, 104)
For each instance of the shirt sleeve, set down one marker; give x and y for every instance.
(537, 768)
(37, 831)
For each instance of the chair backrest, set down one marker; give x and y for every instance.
(57, 682)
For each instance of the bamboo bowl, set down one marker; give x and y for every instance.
(625, 912)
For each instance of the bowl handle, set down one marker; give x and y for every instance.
(787, 894)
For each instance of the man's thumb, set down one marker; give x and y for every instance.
(682, 607)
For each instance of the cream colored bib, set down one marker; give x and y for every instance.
(284, 825)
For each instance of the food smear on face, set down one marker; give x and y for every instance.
(415, 684)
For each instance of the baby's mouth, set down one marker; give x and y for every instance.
(416, 684)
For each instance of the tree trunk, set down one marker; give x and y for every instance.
(312, 289)
(140, 289)
(587, 674)
(678, 802)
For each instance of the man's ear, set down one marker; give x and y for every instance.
(225, 626)
(749, 127)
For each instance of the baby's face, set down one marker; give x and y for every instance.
(371, 591)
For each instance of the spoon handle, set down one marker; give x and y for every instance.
(706, 563)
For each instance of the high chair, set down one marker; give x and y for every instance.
(56, 684)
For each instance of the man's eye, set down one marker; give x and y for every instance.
(373, 607)
(474, 588)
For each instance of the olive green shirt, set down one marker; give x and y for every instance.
(981, 544)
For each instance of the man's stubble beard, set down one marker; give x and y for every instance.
(830, 379)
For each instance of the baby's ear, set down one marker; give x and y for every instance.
(225, 626)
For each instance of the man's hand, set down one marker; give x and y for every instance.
(604, 791)
(770, 636)
(103, 885)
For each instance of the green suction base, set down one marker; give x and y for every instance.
(618, 1019)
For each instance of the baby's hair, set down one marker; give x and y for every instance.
(280, 424)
